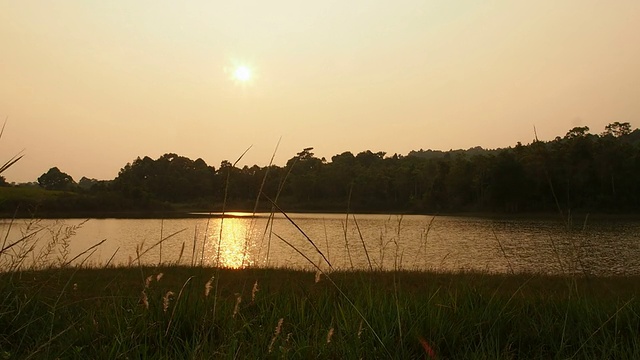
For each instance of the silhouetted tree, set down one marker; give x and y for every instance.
(54, 179)
(617, 129)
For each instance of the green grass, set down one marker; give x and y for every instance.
(99, 314)
(27, 194)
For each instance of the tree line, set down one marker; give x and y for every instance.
(579, 171)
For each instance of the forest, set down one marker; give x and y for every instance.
(577, 172)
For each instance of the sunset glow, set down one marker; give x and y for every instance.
(81, 77)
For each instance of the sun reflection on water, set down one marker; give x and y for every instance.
(235, 244)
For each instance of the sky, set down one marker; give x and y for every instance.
(88, 86)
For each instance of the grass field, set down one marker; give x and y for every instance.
(206, 313)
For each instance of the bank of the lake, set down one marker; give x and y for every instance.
(195, 212)
(165, 312)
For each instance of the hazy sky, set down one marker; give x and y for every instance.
(89, 85)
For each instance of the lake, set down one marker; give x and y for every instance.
(387, 242)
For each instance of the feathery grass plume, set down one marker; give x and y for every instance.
(427, 348)
(275, 334)
(237, 307)
(144, 300)
(147, 281)
(166, 300)
(254, 291)
(360, 330)
(207, 287)
(75, 286)
(329, 335)
(159, 276)
(318, 277)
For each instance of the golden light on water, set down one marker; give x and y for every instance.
(235, 244)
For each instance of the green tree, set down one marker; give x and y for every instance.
(169, 178)
(617, 129)
(54, 179)
(577, 132)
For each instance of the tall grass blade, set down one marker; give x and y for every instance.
(345, 228)
(22, 239)
(15, 158)
(364, 246)
(504, 253)
(341, 293)
(255, 207)
(175, 305)
(224, 207)
(141, 254)
(111, 258)
(601, 326)
(84, 252)
(299, 229)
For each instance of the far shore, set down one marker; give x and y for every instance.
(575, 217)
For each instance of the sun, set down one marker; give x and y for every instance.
(242, 73)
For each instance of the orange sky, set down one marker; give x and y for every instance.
(89, 85)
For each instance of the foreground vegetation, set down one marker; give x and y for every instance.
(175, 312)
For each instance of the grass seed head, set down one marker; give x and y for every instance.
(166, 300)
(159, 276)
(275, 334)
(144, 300)
(427, 348)
(329, 335)
(148, 281)
(237, 307)
(207, 287)
(254, 291)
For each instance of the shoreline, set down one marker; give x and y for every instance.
(186, 214)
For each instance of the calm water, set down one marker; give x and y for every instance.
(403, 242)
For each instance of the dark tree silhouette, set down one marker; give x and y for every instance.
(54, 179)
